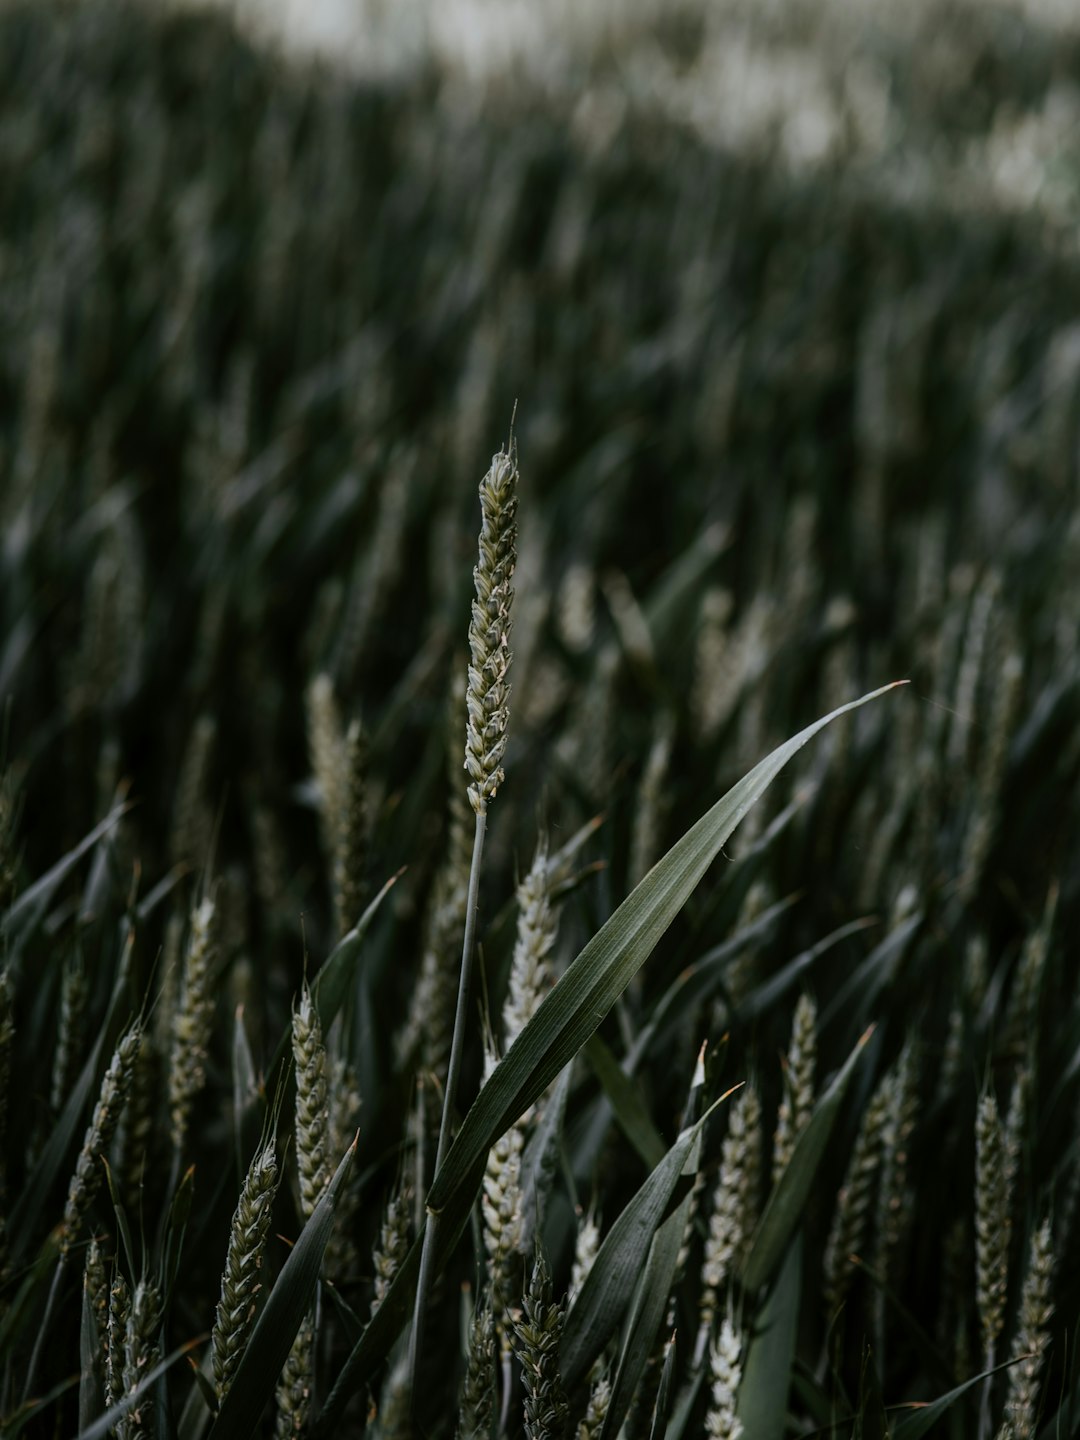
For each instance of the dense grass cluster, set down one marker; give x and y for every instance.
(778, 441)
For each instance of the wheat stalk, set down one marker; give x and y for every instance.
(241, 1280)
(312, 1111)
(500, 1207)
(350, 851)
(591, 1424)
(725, 1373)
(734, 1206)
(393, 1245)
(192, 1024)
(477, 1402)
(119, 1310)
(293, 1392)
(485, 742)
(96, 1290)
(69, 1035)
(798, 1100)
(1032, 1337)
(141, 1354)
(537, 1335)
(88, 1175)
(993, 1232)
(850, 1224)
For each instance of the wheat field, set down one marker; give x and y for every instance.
(539, 749)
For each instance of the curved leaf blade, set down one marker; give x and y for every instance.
(576, 1006)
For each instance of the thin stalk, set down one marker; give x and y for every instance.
(457, 1050)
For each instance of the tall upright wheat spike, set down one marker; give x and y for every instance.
(851, 1219)
(392, 1247)
(350, 851)
(725, 1373)
(241, 1281)
(312, 1111)
(538, 1333)
(141, 1354)
(537, 927)
(489, 631)
(993, 1222)
(1032, 1339)
(798, 1099)
(112, 1096)
(501, 1210)
(193, 1021)
(477, 1402)
(734, 1204)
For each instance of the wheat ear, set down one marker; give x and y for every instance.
(312, 1111)
(537, 927)
(592, 1422)
(69, 1035)
(538, 1333)
(326, 744)
(486, 703)
(119, 1309)
(1032, 1337)
(798, 1101)
(393, 1245)
(725, 1372)
(477, 1403)
(734, 1205)
(993, 1232)
(141, 1354)
(293, 1393)
(851, 1220)
(88, 1171)
(500, 1206)
(192, 1024)
(241, 1281)
(96, 1289)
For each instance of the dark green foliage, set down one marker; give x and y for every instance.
(785, 434)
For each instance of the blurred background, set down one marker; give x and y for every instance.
(787, 297)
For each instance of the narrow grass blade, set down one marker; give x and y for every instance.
(700, 980)
(25, 912)
(763, 1393)
(105, 1424)
(663, 1396)
(626, 1101)
(787, 1202)
(650, 1303)
(574, 1009)
(33, 1200)
(564, 1022)
(276, 1328)
(538, 1161)
(919, 1419)
(609, 1286)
